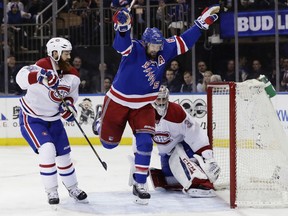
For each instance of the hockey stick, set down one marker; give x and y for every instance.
(77, 123)
(79, 126)
(131, 5)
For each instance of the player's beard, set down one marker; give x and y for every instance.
(64, 65)
(151, 55)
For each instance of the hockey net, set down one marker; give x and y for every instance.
(249, 144)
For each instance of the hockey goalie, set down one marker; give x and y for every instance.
(187, 161)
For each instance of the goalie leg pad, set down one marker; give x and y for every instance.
(183, 169)
(200, 188)
(200, 193)
(159, 181)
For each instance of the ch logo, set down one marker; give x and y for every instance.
(63, 91)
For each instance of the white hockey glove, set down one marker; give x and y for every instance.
(208, 17)
(122, 20)
(209, 166)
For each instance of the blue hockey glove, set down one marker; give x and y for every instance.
(48, 78)
(68, 111)
(208, 17)
(53, 79)
(41, 76)
(122, 20)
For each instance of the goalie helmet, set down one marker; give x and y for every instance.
(153, 36)
(58, 44)
(161, 103)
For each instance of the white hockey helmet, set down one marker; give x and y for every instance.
(58, 44)
(161, 103)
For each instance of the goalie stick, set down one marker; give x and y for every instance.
(79, 126)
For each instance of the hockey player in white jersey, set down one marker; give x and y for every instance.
(186, 156)
(41, 112)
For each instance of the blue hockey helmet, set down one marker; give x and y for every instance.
(153, 36)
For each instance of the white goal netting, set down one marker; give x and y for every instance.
(261, 156)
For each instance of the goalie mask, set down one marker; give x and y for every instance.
(161, 103)
(58, 44)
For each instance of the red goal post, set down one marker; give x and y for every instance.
(249, 144)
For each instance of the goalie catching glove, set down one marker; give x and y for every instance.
(68, 111)
(122, 20)
(208, 165)
(208, 17)
(49, 78)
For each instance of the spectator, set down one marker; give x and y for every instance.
(175, 66)
(201, 67)
(215, 78)
(284, 75)
(187, 86)
(13, 69)
(15, 16)
(107, 84)
(202, 87)
(15, 2)
(256, 70)
(85, 77)
(243, 69)
(34, 7)
(178, 16)
(171, 83)
(229, 75)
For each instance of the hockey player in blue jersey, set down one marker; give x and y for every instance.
(136, 86)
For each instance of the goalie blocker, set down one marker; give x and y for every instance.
(191, 179)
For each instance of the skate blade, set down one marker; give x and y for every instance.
(198, 193)
(85, 201)
(54, 207)
(139, 201)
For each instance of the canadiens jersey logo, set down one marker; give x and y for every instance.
(63, 91)
(162, 138)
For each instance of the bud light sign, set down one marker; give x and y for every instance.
(259, 23)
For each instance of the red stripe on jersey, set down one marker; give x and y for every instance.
(30, 132)
(27, 107)
(141, 169)
(133, 100)
(47, 165)
(126, 52)
(67, 167)
(181, 44)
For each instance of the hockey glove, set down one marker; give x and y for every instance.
(209, 166)
(41, 76)
(122, 20)
(208, 17)
(68, 111)
(48, 78)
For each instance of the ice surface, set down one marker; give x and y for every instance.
(22, 192)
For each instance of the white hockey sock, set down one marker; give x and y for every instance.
(48, 171)
(66, 170)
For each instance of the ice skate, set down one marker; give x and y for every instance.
(97, 120)
(141, 194)
(78, 195)
(53, 197)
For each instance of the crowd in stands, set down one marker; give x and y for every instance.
(176, 18)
